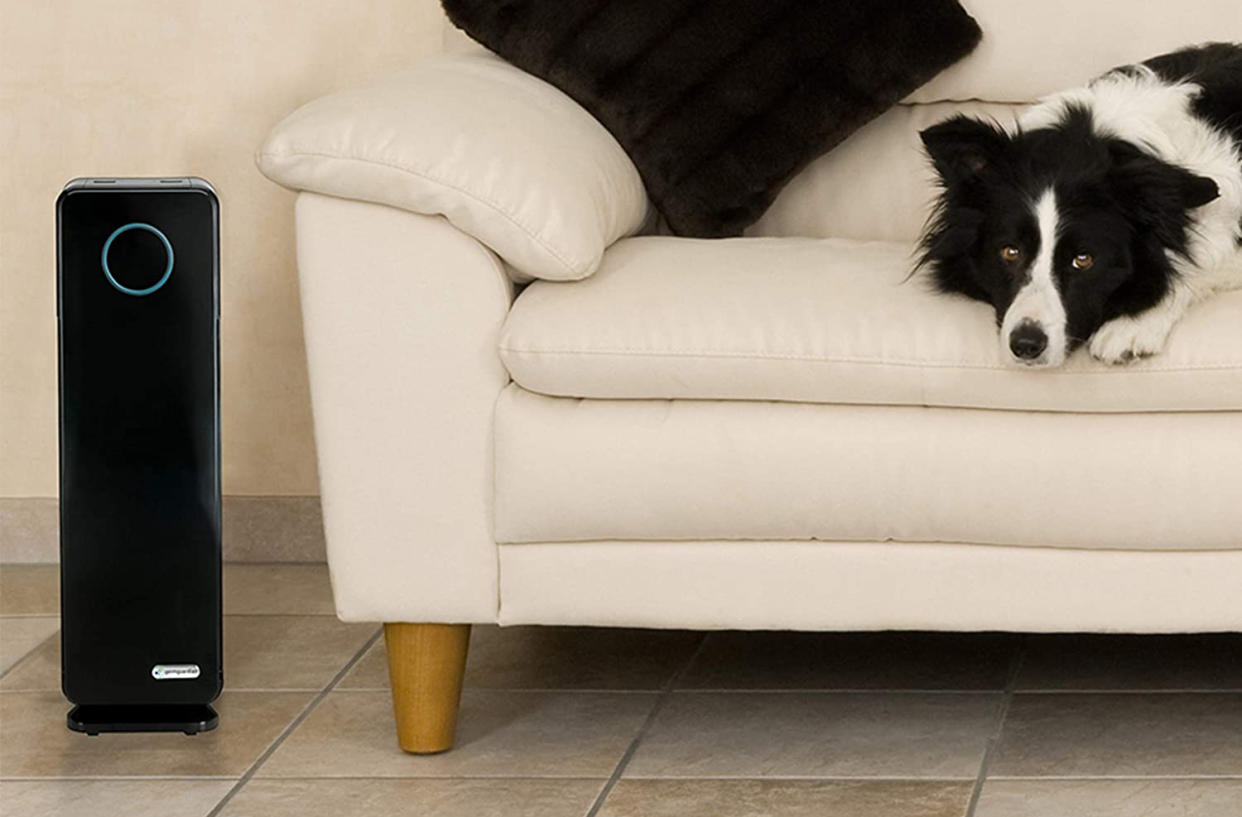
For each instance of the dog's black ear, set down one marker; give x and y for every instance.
(961, 147)
(1156, 195)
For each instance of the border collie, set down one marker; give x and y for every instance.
(1102, 214)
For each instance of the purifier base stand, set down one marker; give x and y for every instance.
(189, 718)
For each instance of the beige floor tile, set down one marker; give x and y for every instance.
(96, 798)
(39, 670)
(817, 735)
(292, 589)
(1132, 662)
(1111, 798)
(260, 653)
(788, 660)
(441, 798)
(22, 634)
(288, 652)
(555, 658)
(788, 798)
(37, 743)
(372, 671)
(537, 734)
(27, 590)
(1080, 735)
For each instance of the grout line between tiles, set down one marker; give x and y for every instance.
(838, 691)
(295, 723)
(831, 778)
(1010, 686)
(665, 693)
(813, 778)
(462, 776)
(235, 563)
(282, 615)
(657, 690)
(781, 777)
(211, 778)
(26, 655)
(600, 796)
(1036, 777)
(1135, 691)
(271, 689)
(817, 691)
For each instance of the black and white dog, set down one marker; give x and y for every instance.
(1103, 214)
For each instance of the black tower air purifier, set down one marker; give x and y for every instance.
(138, 314)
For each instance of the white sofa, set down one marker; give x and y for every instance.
(525, 416)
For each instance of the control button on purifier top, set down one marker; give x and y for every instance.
(137, 258)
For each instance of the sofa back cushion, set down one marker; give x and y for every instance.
(1032, 48)
(874, 186)
(877, 184)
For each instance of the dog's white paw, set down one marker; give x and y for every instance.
(1123, 340)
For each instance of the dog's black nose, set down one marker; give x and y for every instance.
(1028, 341)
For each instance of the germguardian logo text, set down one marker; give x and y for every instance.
(174, 672)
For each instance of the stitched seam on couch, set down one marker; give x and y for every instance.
(530, 232)
(1224, 367)
(829, 542)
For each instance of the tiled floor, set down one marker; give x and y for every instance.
(624, 723)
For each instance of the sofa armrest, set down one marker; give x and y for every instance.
(506, 157)
(401, 314)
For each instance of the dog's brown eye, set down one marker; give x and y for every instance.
(1010, 253)
(1083, 261)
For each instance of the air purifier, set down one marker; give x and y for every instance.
(138, 330)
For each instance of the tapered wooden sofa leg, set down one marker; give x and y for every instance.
(426, 664)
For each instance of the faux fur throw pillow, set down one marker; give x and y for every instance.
(720, 102)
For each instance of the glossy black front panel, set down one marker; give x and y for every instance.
(139, 444)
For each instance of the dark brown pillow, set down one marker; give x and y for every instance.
(720, 102)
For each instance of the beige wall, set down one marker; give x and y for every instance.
(175, 87)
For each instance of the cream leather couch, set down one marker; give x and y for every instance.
(525, 416)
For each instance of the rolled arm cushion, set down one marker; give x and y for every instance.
(504, 156)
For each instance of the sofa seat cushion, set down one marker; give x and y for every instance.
(827, 321)
(587, 471)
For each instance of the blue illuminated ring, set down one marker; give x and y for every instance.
(137, 225)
